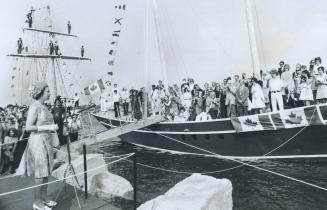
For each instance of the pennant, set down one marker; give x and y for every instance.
(116, 33)
(123, 7)
(108, 83)
(94, 88)
(110, 73)
(111, 52)
(117, 21)
(111, 63)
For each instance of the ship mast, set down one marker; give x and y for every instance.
(160, 45)
(53, 58)
(252, 37)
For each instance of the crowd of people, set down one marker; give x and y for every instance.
(12, 129)
(241, 95)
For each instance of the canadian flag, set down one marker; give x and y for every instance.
(94, 88)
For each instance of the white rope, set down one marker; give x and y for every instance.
(4, 144)
(58, 150)
(247, 164)
(59, 180)
(8, 177)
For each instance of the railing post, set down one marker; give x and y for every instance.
(134, 180)
(85, 171)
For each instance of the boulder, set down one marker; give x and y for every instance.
(197, 192)
(107, 185)
(100, 181)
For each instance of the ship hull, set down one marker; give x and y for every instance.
(218, 137)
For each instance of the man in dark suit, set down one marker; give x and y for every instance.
(242, 94)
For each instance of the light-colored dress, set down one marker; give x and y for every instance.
(38, 156)
(321, 88)
(306, 92)
(258, 98)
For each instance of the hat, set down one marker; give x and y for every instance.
(37, 89)
(273, 71)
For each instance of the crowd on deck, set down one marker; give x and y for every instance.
(241, 95)
(274, 90)
(13, 135)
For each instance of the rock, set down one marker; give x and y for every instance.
(105, 185)
(100, 181)
(197, 192)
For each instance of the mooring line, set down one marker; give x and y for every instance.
(72, 176)
(247, 164)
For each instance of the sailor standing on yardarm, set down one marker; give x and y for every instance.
(69, 27)
(82, 51)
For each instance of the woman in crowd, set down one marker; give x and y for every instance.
(321, 81)
(186, 100)
(167, 106)
(230, 101)
(137, 114)
(38, 156)
(212, 105)
(175, 102)
(59, 114)
(306, 95)
(258, 98)
(8, 150)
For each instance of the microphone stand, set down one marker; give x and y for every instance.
(69, 171)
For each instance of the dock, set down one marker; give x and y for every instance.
(115, 132)
(66, 201)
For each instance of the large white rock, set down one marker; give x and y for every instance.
(100, 181)
(197, 192)
(107, 185)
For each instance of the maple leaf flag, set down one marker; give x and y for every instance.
(94, 88)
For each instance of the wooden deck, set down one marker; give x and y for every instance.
(66, 201)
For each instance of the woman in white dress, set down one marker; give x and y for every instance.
(321, 82)
(258, 98)
(306, 95)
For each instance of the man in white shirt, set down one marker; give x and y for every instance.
(76, 100)
(116, 99)
(275, 87)
(155, 100)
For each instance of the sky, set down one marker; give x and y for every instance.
(171, 39)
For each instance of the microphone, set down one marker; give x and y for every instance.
(87, 108)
